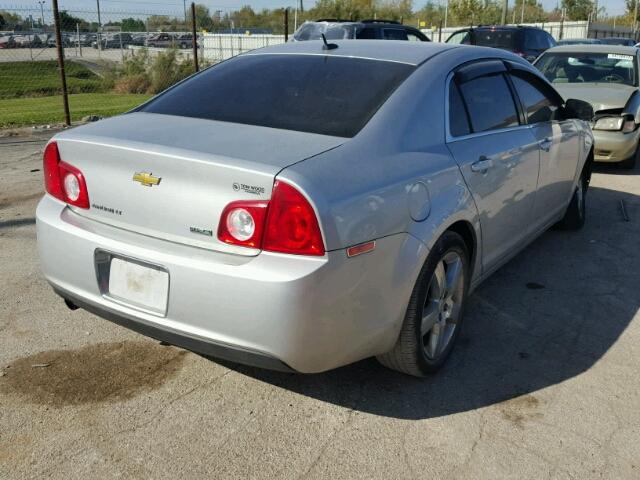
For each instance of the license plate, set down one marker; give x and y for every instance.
(139, 285)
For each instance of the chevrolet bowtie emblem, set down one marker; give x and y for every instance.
(146, 179)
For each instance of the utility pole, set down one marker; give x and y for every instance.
(635, 15)
(522, 13)
(98, 36)
(42, 2)
(595, 10)
(446, 13)
(63, 77)
(184, 5)
(505, 8)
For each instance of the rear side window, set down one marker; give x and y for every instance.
(308, 93)
(367, 34)
(459, 38)
(490, 103)
(394, 34)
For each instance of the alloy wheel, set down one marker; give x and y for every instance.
(443, 305)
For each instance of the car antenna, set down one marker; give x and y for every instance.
(328, 46)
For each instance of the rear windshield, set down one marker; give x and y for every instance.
(308, 93)
(496, 38)
(332, 31)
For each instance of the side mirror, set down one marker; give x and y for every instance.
(578, 109)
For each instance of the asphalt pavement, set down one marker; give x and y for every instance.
(543, 384)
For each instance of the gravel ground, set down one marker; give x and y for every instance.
(543, 384)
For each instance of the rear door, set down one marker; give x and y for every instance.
(559, 141)
(497, 155)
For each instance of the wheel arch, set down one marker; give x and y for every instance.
(465, 229)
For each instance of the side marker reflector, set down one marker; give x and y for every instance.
(362, 248)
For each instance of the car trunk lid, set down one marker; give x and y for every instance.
(170, 177)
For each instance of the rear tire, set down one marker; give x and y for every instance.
(575, 215)
(434, 315)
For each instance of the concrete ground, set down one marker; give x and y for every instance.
(543, 384)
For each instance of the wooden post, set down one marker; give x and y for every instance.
(63, 77)
(286, 24)
(194, 40)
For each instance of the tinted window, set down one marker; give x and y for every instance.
(394, 34)
(367, 34)
(489, 103)
(458, 120)
(460, 37)
(538, 107)
(538, 40)
(496, 38)
(308, 93)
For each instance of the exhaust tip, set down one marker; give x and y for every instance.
(70, 305)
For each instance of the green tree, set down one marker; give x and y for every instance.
(203, 18)
(11, 21)
(578, 9)
(68, 22)
(132, 25)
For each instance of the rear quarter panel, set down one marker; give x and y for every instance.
(363, 189)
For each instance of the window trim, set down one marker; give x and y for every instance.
(449, 138)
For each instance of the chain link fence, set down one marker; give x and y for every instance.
(113, 59)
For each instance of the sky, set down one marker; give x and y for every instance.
(614, 7)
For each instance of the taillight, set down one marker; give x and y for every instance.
(63, 181)
(286, 224)
(242, 223)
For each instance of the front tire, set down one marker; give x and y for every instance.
(434, 315)
(576, 212)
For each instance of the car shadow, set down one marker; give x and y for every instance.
(615, 169)
(545, 317)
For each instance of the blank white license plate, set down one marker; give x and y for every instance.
(139, 285)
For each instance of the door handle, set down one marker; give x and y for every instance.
(545, 144)
(482, 165)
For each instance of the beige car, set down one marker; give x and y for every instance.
(607, 77)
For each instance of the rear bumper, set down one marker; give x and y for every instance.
(308, 314)
(180, 339)
(615, 146)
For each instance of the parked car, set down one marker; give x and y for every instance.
(580, 41)
(269, 211)
(65, 38)
(625, 42)
(527, 42)
(185, 41)
(7, 41)
(138, 39)
(361, 30)
(607, 77)
(114, 40)
(162, 40)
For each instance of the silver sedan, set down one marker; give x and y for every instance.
(305, 206)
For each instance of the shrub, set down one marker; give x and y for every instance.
(166, 70)
(138, 83)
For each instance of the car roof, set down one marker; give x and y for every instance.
(594, 48)
(412, 53)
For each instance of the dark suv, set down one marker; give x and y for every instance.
(528, 42)
(335, 29)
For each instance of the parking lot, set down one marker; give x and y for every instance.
(544, 382)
